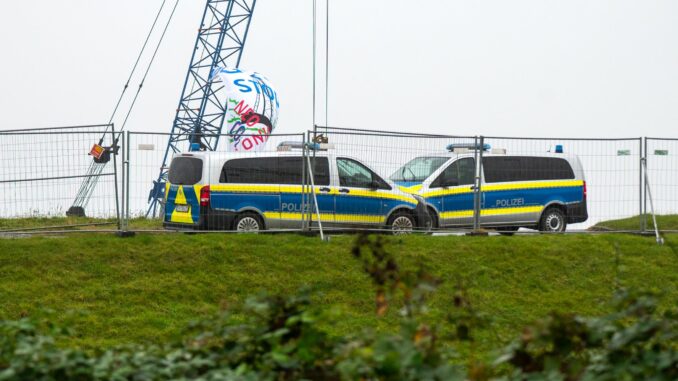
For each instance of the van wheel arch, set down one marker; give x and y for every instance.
(557, 206)
(435, 218)
(396, 215)
(252, 213)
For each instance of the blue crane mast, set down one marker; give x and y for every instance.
(202, 109)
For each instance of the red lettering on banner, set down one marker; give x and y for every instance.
(242, 108)
(252, 120)
(258, 138)
(247, 144)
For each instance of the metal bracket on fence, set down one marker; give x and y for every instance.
(648, 192)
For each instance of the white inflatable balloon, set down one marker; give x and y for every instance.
(252, 108)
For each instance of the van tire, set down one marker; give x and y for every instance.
(248, 222)
(553, 220)
(401, 222)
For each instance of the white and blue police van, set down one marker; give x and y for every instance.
(536, 191)
(253, 191)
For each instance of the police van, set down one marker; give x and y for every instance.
(255, 191)
(544, 192)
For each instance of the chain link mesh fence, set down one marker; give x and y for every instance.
(662, 170)
(43, 170)
(41, 173)
(144, 155)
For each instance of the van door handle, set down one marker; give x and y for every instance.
(344, 190)
(324, 189)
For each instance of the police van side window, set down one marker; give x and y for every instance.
(291, 171)
(461, 172)
(354, 174)
(260, 170)
(185, 171)
(321, 170)
(273, 170)
(506, 169)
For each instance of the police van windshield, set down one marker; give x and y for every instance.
(185, 171)
(419, 168)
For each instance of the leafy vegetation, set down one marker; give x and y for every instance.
(146, 289)
(288, 338)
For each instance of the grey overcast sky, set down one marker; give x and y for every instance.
(589, 68)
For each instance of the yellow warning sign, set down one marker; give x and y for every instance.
(97, 151)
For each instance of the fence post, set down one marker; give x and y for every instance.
(115, 175)
(479, 143)
(643, 185)
(124, 182)
(303, 183)
(127, 192)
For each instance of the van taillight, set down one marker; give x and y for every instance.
(584, 190)
(205, 196)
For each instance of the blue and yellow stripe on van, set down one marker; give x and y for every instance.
(178, 195)
(535, 195)
(298, 189)
(358, 206)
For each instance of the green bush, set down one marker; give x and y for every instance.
(281, 338)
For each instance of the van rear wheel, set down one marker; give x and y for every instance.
(401, 223)
(553, 220)
(248, 223)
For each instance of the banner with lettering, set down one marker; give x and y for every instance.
(252, 108)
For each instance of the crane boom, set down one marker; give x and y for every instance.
(201, 112)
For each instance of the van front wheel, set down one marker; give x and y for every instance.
(553, 220)
(248, 223)
(401, 223)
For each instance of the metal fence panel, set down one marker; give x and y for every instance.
(42, 171)
(611, 168)
(146, 151)
(662, 170)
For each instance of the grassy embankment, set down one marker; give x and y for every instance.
(75, 223)
(147, 288)
(665, 222)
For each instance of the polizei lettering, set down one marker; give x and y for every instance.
(509, 202)
(294, 208)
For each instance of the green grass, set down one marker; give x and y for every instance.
(74, 223)
(665, 222)
(147, 288)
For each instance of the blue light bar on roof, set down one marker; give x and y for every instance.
(469, 146)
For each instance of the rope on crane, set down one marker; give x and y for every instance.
(327, 63)
(95, 169)
(150, 64)
(134, 68)
(315, 7)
